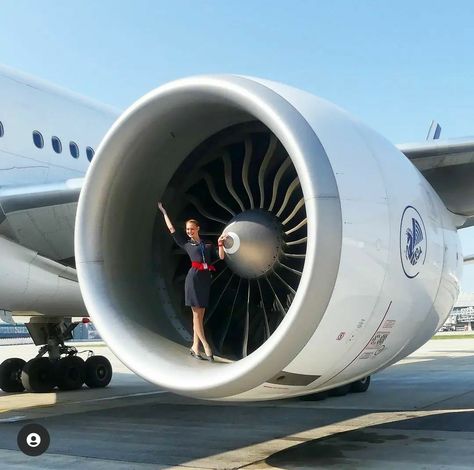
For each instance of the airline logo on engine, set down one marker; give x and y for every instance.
(412, 242)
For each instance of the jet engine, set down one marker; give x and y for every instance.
(340, 257)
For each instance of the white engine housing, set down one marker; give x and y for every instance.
(360, 305)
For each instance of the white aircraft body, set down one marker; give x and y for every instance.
(39, 189)
(342, 257)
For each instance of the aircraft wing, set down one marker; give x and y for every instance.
(448, 165)
(469, 259)
(41, 217)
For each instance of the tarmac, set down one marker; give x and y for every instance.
(417, 414)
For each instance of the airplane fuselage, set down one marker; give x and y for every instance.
(48, 135)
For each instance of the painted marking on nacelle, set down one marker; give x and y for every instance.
(413, 243)
(389, 324)
(364, 349)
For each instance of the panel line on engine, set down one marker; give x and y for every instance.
(290, 378)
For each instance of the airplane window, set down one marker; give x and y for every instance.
(90, 153)
(1, 129)
(38, 139)
(56, 143)
(74, 149)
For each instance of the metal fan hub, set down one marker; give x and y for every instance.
(254, 243)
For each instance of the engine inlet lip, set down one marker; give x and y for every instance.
(263, 101)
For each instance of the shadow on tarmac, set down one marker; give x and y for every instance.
(171, 430)
(410, 440)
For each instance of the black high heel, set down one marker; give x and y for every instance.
(195, 355)
(208, 358)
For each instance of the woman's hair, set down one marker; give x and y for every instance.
(192, 221)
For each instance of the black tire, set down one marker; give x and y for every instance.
(70, 373)
(98, 372)
(360, 386)
(10, 372)
(38, 375)
(318, 396)
(340, 391)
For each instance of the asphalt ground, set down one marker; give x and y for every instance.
(419, 413)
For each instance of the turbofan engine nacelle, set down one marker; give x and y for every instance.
(341, 258)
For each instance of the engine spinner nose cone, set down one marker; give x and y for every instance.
(254, 243)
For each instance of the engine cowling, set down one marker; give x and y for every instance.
(341, 260)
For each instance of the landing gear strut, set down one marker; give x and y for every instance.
(63, 368)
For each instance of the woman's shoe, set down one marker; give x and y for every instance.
(208, 358)
(195, 355)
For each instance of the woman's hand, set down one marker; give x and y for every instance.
(220, 244)
(162, 209)
(167, 219)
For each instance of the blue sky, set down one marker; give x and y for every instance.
(395, 65)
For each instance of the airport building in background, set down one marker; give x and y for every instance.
(462, 316)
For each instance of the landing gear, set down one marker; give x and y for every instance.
(318, 396)
(340, 391)
(98, 372)
(62, 367)
(38, 375)
(70, 373)
(10, 375)
(359, 386)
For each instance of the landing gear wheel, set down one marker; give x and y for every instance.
(318, 396)
(98, 372)
(340, 391)
(360, 386)
(38, 375)
(70, 373)
(10, 371)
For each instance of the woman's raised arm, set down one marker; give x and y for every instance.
(167, 219)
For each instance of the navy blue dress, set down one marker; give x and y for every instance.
(197, 285)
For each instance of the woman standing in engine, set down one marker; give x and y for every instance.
(198, 280)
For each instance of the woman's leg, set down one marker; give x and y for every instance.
(198, 327)
(195, 346)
